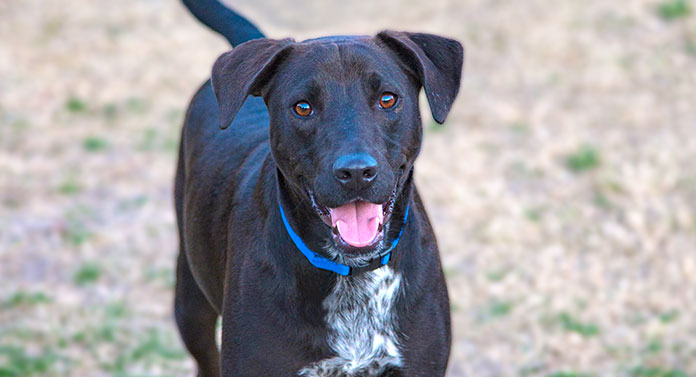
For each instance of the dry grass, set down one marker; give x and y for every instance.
(562, 188)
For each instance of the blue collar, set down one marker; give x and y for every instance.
(323, 263)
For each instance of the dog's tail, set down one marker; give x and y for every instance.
(223, 20)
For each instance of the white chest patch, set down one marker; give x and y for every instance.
(362, 326)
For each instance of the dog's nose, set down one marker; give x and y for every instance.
(355, 171)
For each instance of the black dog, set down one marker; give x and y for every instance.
(300, 224)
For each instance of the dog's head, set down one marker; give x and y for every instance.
(345, 124)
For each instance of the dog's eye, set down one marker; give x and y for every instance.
(303, 108)
(387, 100)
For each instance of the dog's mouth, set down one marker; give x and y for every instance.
(357, 227)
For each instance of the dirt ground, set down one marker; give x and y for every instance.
(562, 188)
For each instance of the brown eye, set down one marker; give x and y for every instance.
(303, 108)
(387, 100)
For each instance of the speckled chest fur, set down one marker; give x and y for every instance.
(362, 326)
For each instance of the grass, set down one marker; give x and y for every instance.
(152, 347)
(162, 275)
(15, 362)
(149, 139)
(669, 317)
(153, 140)
(22, 298)
(116, 310)
(499, 308)
(70, 187)
(434, 126)
(533, 214)
(108, 328)
(134, 203)
(572, 324)
(568, 374)
(601, 200)
(155, 345)
(76, 232)
(105, 332)
(174, 115)
(674, 9)
(690, 46)
(87, 273)
(583, 159)
(137, 105)
(496, 309)
(75, 105)
(654, 346)
(94, 144)
(110, 111)
(642, 371)
(497, 275)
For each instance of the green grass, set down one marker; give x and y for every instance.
(152, 348)
(601, 200)
(568, 374)
(15, 362)
(137, 105)
(450, 271)
(104, 333)
(533, 214)
(94, 144)
(583, 159)
(154, 140)
(690, 46)
(643, 371)
(70, 187)
(673, 9)
(110, 111)
(76, 231)
(500, 308)
(174, 115)
(20, 125)
(133, 203)
(497, 275)
(154, 345)
(160, 275)
(520, 127)
(496, 309)
(75, 105)
(434, 126)
(669, 317)
(149, 140)
(87, 273)
(654, 346)
(22, 298)
(116, 310)
(571, 324)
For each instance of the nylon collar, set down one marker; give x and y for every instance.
(323, 263)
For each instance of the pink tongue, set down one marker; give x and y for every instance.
(357, 222)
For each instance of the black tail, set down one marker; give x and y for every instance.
(223, 20)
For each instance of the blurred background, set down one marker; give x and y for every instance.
(562, 187)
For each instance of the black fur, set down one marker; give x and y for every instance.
(236, 258)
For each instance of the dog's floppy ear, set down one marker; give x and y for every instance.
(243, 71)
(436, 61)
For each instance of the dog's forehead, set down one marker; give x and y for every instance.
(337, 39)
(342, 56)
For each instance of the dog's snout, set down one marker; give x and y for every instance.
(355, 171)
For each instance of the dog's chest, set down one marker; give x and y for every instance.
(362, 326)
